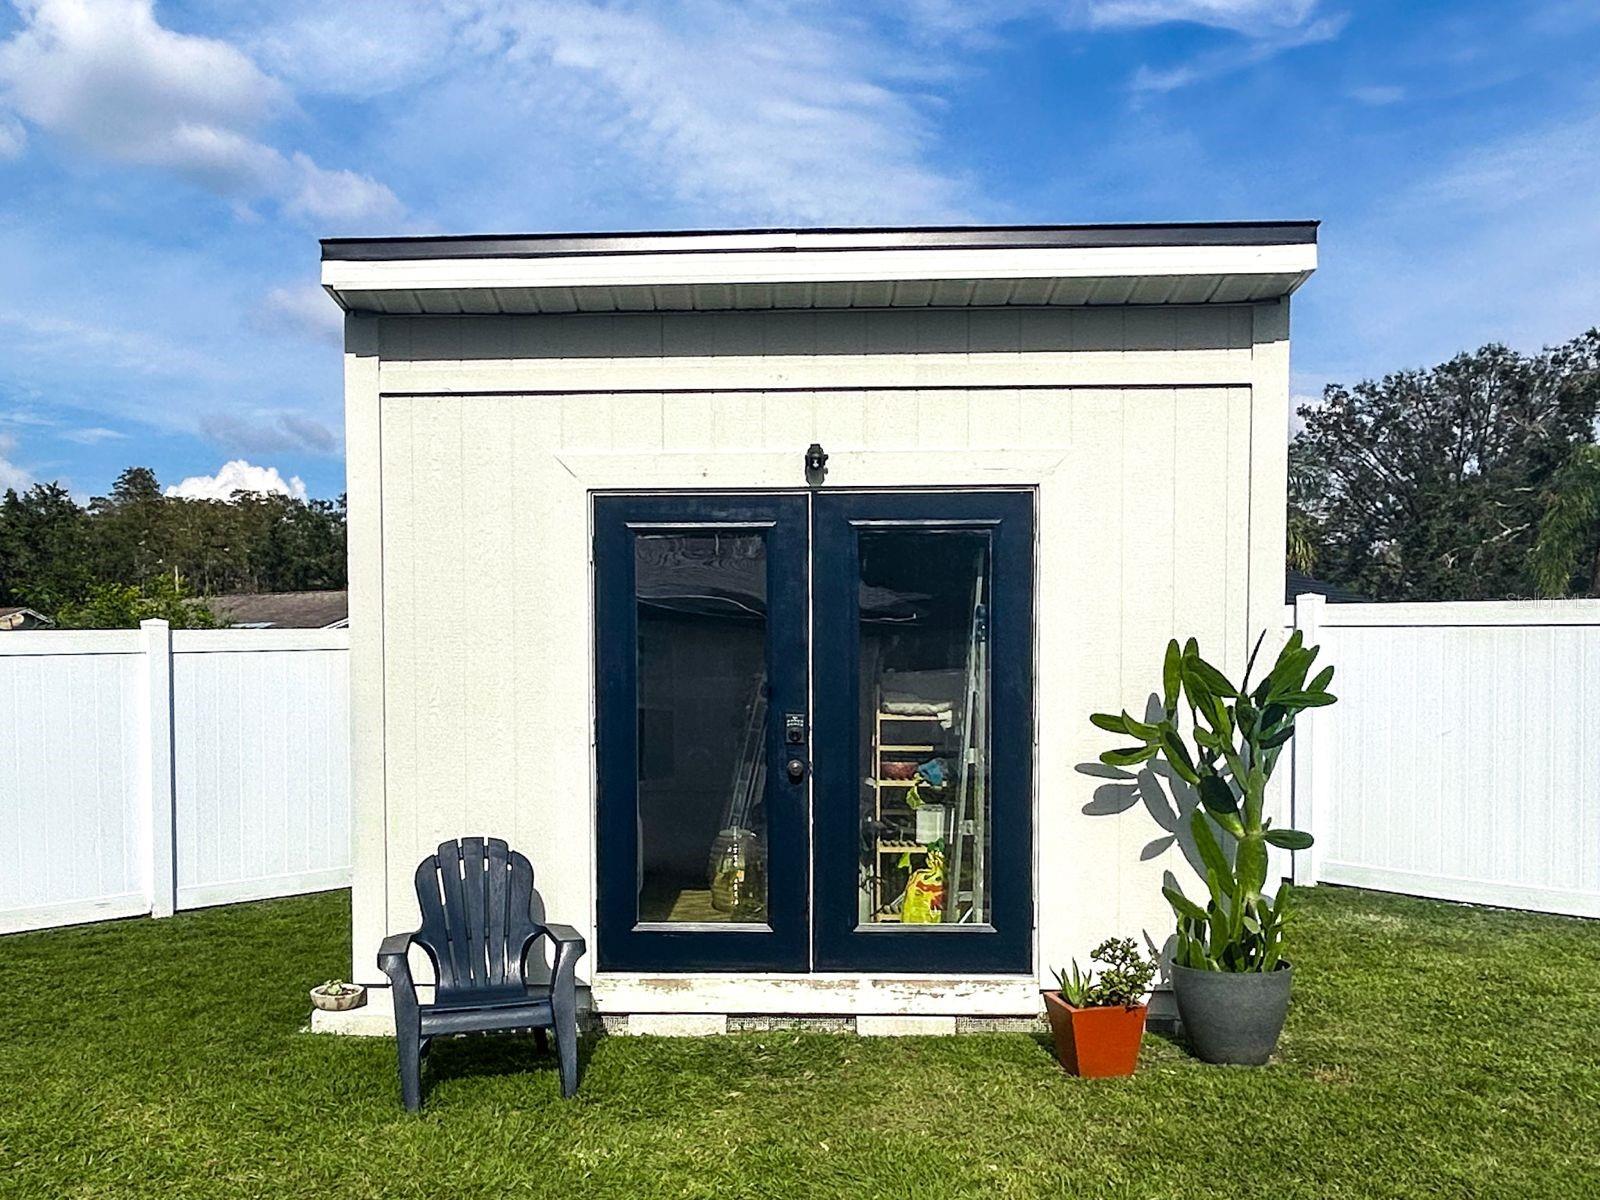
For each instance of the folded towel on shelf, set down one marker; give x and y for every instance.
(922, 693)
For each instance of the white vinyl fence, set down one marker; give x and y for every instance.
(147, 770)
(1463, 758)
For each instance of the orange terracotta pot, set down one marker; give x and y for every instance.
(1097, 1043)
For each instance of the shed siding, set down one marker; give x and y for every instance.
(485, 664)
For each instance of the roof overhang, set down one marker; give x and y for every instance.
(1068, 265)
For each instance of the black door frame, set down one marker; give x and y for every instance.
(812, 896)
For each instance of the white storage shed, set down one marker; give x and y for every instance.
(758, 586)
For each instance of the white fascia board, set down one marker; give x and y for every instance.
(834, 266)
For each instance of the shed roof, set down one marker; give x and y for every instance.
(1225, 262)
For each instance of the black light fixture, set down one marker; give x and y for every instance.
(816, 463)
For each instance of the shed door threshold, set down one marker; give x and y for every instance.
(986, 995)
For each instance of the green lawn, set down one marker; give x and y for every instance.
(1431, 1051)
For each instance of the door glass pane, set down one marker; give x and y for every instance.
(924, 733)
(702, 619)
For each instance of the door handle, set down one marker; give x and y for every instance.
(796, 768)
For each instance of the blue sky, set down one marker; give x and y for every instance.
(166, 170)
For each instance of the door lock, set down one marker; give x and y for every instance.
(797, 769)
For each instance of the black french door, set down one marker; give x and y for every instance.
(701, 674)
(814, 731)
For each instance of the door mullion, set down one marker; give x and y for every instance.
(811, 728)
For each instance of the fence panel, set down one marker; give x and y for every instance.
(142, 770)
(260, 735)
(70, 819)
(1463, 759)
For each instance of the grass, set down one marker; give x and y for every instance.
(1432, 1051)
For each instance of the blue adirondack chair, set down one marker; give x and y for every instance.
(476, 897)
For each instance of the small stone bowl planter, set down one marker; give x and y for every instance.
(334, 996)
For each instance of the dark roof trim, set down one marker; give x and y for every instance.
(933, 237)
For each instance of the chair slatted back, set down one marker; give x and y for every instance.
(476, 897)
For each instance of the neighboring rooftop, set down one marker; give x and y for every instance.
(1299, 583)
(20, 616)
(282, 610)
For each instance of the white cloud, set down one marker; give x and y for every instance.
(342, 197)
(13, 137)
(11, 475)
(238, 476)
(46, 336)
(338, 49)
(1262, 43)
(273, 433)
(1253, 18)
(306, 310)
(106, 76)
(751, 112)
(777, 112)
(93, 435)
(1505, 174)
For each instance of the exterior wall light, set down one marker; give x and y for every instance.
(816, 463)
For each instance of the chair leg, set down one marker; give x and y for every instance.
(567, 1057)
(410, 1050)
(564, 1010)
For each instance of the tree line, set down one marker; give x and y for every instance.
(136, 553)
(1477, 479)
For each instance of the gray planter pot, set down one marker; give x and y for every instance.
(1232, 1018)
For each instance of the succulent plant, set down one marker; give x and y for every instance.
(1237, 734)
(1124, 980)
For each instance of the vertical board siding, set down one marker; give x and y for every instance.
(259, 757)
(1463, 758)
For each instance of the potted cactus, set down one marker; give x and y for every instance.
(1096, 1022)
(1229, 973)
